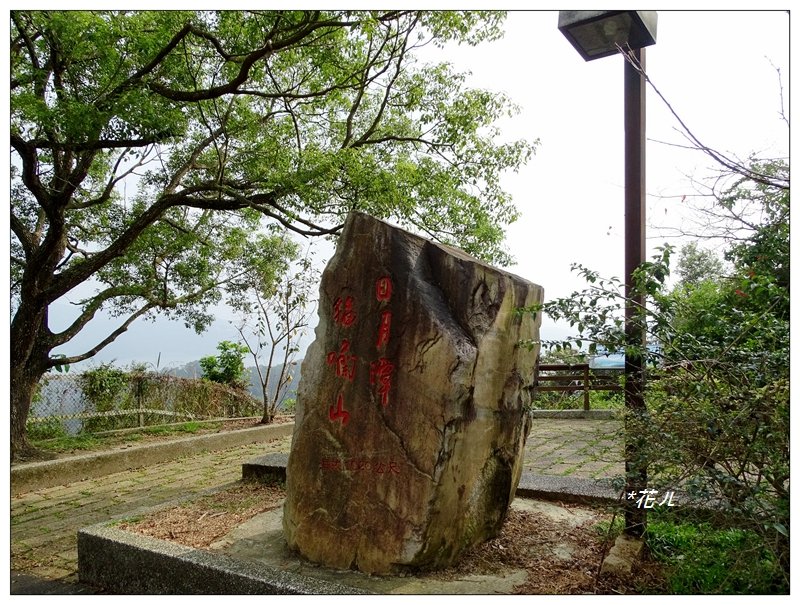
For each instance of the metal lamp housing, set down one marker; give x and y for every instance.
(597, 34)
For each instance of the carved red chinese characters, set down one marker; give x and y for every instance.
(343, 311)
(344, 363)
(384, 329)
(380, 373)
(339, 413)
(383, 288)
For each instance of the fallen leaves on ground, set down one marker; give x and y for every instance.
(199, 523)
(559, 558)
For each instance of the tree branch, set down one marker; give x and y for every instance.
(100, 144)
(24, 236)
(246, 64)
(27, 154)
(721, 159)
(389, 87)
(88, 313)
(52, 362)
(112, 183)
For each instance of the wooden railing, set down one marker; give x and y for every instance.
(571, 377)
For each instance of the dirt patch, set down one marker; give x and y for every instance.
(34, 454)
(562, 556)
(201, 522)
(559, 545)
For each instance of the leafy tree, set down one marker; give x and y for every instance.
(696, 265)
(274, 318)
(228, 366)
(149, 148)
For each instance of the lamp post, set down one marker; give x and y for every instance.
(596, 34)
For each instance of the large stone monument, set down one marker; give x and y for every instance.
(411, 410)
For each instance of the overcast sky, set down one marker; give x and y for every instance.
(717, 69)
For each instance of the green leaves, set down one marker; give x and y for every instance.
(228, 366)
(470, 27)
(337, 116)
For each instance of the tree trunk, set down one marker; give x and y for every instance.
(267, 417)
(29, 362)
(24, 381)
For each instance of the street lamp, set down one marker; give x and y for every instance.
(597, 34)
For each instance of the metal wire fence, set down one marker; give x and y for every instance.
(68, 404)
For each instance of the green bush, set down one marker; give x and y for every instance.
(166, 399)
(228, 366)
(102, 387)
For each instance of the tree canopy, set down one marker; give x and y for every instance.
(152, 151)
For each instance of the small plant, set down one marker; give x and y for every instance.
(228, 366)
(611, 528)
(189, 427)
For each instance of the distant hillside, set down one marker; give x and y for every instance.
(193, 370)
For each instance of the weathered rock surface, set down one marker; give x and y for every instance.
(411, 409)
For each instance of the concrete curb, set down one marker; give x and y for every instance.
(576, 414)
(50, 473)
(567, 489)
(271, 467)
(125, 563)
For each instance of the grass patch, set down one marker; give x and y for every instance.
(191, 427)
(703, 559)
(64, 443)
(68, 443)
(598, 400)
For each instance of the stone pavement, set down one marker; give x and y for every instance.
(585, 449)
(44, 522)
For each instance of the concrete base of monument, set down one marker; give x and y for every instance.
(251, 559)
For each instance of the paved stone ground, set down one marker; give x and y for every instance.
(587, 449)
(44, 523)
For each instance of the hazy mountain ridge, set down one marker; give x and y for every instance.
(193, 370)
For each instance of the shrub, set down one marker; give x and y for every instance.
(102, 387)
(228, 366)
